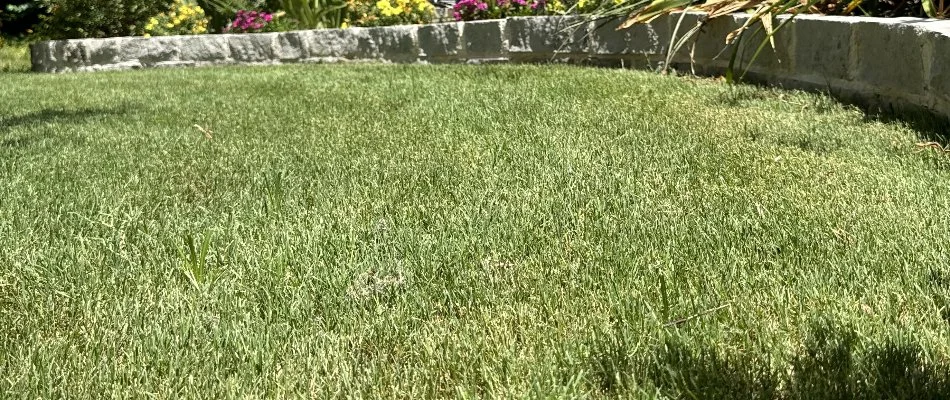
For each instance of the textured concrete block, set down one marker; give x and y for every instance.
(440, 41)
(41, 57)
(102, 52)
(889, 54)
(777, 58)
(651, 38)
(485, 39)
(710, 45)
(718, 39)
(822, 46)
(290, 47)
(149, 51)
(257, 47)
(331, 43)
(938, 79)
(391, 43)
(70, 54)
(544, 37)
(205, 48)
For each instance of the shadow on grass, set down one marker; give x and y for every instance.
(48, 116)
(929, 127)
(831, 363)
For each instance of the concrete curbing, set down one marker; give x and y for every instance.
(892, 63)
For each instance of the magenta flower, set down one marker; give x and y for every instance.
(249, 21)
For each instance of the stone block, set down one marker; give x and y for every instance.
(331, 43)
(539, 38)
(42, 57)
(70, 54)
(205, 48)
(253, 47)
(290, 47)
(103, 51)
(889, 54)
(485, 39)
(390, 43)
(822, 46)
(441, 42)
(718, 39)
(646, 38)
(709, 47)
(149, 51)
(938, 79)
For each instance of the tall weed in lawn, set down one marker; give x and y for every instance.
(195, 260)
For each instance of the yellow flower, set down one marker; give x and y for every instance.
(169, 25)
(344, 25)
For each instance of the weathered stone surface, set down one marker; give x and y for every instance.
(207, 48)
(41, 55)
(649, 38)
(769, 58)
(290, 47)
(888, 53)
(440, 41)
(149, 51)
(70, 54)
(255, 47)
(395, 43)
(168, 64)
(331, 43)
(538, 38)
(102, 52)
(710, 45)
(938, 79)
(822, 47)
(485, 39)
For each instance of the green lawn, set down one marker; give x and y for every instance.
(449, 231)
(14, 56)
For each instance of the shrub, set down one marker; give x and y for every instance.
(69, 19)
(183, 18)
(19, 17)
(388, 12)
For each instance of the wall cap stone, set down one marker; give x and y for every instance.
(890, 63)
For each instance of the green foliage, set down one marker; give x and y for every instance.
(936, 9)
(313, 14)
(195, 260)
(69, 19)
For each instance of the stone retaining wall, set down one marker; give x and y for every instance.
(886, 62)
